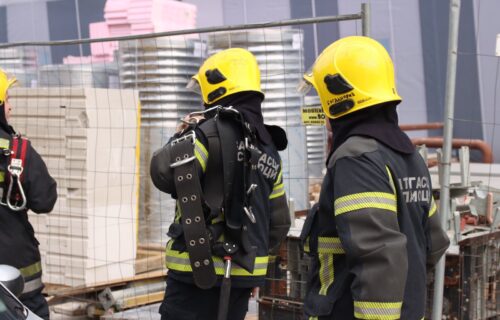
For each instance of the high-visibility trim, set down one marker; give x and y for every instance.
(313, 318)
(179, 261)
(391, 180)
(377, 310)
(330, 245)
(31, 270)
(4, 143)
(32, 285)
(278, 191)
(2, 176)
(279, 178)
(201, 153)
(326, 275)
(433, 208)
(365, 200)
(307, 249)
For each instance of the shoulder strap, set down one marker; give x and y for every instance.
(213, 183)
(189, 195)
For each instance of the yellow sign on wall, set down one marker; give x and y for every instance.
(313, 116)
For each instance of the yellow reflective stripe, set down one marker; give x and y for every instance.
(278, 191)
(313, 318)
(201, 154)
(306, 245)
(391, 181)
(4, 143)
(331, 245)
(433, 209)
(2, 176)
(377, 310)
(326, 275)
(179, 261)
(364, 200)
(278, 179)
(31, 270)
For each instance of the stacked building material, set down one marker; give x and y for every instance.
(126, 17)
(279, 53)
(21, 62)
(89, 141)
(159, 70)
(91, 75)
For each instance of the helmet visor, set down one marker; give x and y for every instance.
(306, 84)
(304, 87)
(194, 86)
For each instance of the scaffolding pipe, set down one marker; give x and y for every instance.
(444, 199)
(438, 142)
(365, 19)
(283, 23)
(421, 126)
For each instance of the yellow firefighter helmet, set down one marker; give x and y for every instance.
(225, 73)
(6, 81)
(351, 74)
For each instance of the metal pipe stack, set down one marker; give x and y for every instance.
(159, 70)
(279, 53)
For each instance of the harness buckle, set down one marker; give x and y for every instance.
(249, 213)
(190, 135)
(15, 169)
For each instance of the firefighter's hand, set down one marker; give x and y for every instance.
(187, 121)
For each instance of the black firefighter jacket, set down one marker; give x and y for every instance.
(376, 229)
(268, 203)
(18, 245)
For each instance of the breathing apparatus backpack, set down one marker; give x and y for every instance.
(225, 192)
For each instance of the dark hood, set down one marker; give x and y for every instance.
(249, 105)
(379, 123)
(4, 125)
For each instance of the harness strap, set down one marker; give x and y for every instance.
(189, 195)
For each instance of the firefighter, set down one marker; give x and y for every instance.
(25, 184)
(224, 169)
(376, 228)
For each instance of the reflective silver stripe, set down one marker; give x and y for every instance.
(32, 285)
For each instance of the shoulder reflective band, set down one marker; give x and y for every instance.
(365, 200)
(433, 208)
(377, 310)
(201, 154)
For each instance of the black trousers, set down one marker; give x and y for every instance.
(185, 301)
(36, 302)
